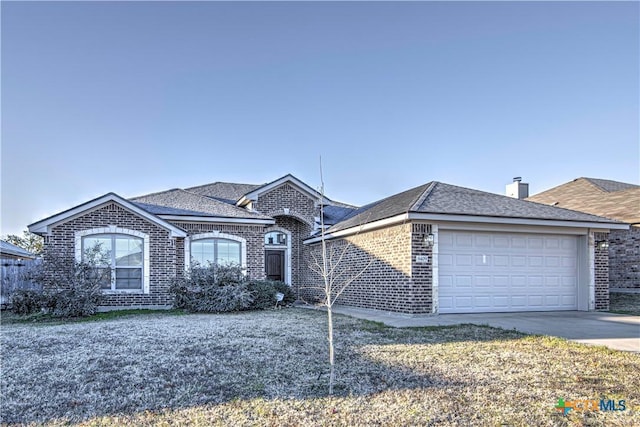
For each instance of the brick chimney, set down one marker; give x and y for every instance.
(517, 189)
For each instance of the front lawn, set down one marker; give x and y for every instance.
(269, 368)
(624, 303)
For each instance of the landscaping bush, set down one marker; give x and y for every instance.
(24, 301)
(283, 288)
(79, 301)
(212, 289)
(264, 293)
(72, 287)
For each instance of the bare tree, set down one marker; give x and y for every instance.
(335, 276)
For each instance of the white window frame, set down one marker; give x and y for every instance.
(216, 235)
(111, 230)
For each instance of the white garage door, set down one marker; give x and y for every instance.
(498, 272)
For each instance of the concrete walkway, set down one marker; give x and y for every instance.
(616, 331)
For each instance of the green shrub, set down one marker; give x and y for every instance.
(79, 301)
(25, 301)
(212, 289)
(264, 293)
(283, 288)
(72, 287)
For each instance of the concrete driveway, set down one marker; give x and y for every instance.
(616, 331)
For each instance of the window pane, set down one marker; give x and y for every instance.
(275, 238)
(96, 249)
(128, 251)
(128, 278)
(202, 252)
(228, 252)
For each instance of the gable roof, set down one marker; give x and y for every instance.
(439, 199)
(311, 192)
(182, 202)
(43, 226)
(11, 249)
(229, 192)
(611, 199)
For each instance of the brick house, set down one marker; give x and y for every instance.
(610, 199)
(436, 248)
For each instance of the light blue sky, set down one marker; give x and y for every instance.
(141, 97)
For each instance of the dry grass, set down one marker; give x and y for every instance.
(269, 368)
(624, 303)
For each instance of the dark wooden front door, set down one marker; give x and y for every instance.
(274, 265)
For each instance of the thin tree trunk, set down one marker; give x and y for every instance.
(332, 372)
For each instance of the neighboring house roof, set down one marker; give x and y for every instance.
(43, 226)
(183, 202)
(12, 250)
(444, 199)
(229, 192)
(611, 199)
(609, 185)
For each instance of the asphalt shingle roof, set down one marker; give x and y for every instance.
(229, 192)
(439, 198)
(334, 214)
(611, 199)
(173, 201)
(611, 186)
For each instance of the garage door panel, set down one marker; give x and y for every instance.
(482, 260)
(464, 240)
(501, 301)
(445, 260)
(518, 281)
(535, 261)
(535, 242)
(500, 242)
(501, 281)
(464, 282)
(464, 260)
(501, 260)
(484, 272)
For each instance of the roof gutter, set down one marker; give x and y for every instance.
(518, 221)
(416, 216)
(398, 219)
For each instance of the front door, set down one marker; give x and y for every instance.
(274, 265)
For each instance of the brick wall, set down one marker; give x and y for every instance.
(253, 234)
(601, 273)
(624, 258)
(162, 251)
(286, 196)
(295, 211)
(391, 279)
(421, 272)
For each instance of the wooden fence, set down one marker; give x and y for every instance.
(15, 275)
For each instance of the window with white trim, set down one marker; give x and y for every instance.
(223, 252)
(123, 255)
